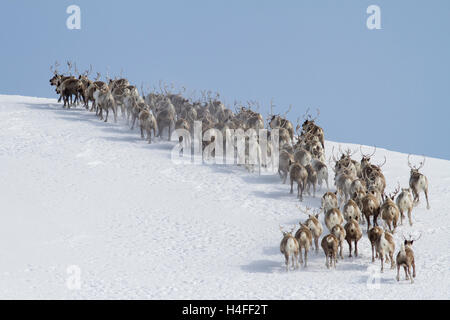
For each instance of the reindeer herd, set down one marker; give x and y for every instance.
(360, 197)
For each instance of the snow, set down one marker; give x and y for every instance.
(80, 192)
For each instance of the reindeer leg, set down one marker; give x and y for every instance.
(406, 272)
(300, 258)
(368, 222)
(373, 249)
(286, 257)
(356, 248)
(316, 240)
(426, 197)
(382, 260)
(416, 196)
(398, 272)
(349, 248)
(414, 269)
(391, 257)
(107, 113)
(409, 217)
(306, 257)
(292, 186)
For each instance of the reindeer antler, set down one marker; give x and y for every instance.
(421, 164)
(420, 236)
(367, 155)
(304, 211)
(289, 110)
(382, 164)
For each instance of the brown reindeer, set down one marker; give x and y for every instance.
(353, 234)
(304, 239)
(390, 212)
(298, 173)
(405, 259)
(330, 246)
(374, 234)
(314, 225)
(370, 207)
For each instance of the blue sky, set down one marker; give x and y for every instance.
(387, 87)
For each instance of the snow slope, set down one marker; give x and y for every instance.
(79, 192)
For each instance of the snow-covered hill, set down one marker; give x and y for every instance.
(79, 192)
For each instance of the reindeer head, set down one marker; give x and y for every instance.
(410, 240)
(309, 120)
(392, 195)
(366, 157)
(415, 169)
(287, 233)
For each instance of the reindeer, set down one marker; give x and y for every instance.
(289, 248)
(310, 126)
(95, 85)
(418, 182)
(351, 211)
(340, 234)
(329, 201)
(86, 84)
(285, 161)
(312, 179)
(390, 212)
(105, 101)
(71, 87)
(333, 217)
(314, 225)
(330, 246)
(353, 233)
(343, 180)
(358, 185)
(370, 207)
(302, 156)
(298, 173)
(283, 136)
(322, 172)
(374, 234)
(165, 117)
(277, 121)
(405, 202)
(405, 259)
(147, 123)
(304, 239)
(385, 247)
(345, 163)
(371, 173)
